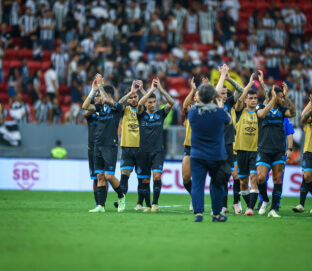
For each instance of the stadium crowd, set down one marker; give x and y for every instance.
(50, 50)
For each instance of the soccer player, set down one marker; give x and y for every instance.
(151, 153)
(92, 120)
(106, 142)
(246, 142)
(208, 153)
(271, 145)
(306, 185)
(186, 165)
(130, 138)
(229, 132)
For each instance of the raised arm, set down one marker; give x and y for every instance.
(189, 97)
(306, 113)
(145, 97)
(87, 102)
(125, 98)
(224, 70)
(170, 101)
(240, 102)
(263, 112)
(264, 87)
(238, 88)
(291, 112)
(140, 84)
(100, 83)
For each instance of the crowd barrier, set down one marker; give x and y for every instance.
(73, 175)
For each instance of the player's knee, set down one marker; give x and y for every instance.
(146, 181)
(156, 175)
(307, 176)
(243, 185)
(109, 177)
(126, 172)
(261, 177)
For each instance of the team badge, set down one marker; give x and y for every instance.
(133, 114)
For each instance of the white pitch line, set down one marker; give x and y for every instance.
(169, 206)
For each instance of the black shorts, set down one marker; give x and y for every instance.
(128, 158)
(91, 163)
(187, 151)
(149, 161)
(270, 159)
(307, 161)
(246, 161)
(105, 159)
(230, 159)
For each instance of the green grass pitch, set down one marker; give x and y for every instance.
(54, 231)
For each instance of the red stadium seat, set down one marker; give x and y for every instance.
(11, 54)
(191, 38)
(25, 53)
(46, 65)
(4, 97)
(174, 82)
(27, 98)
(47, 55)
(17, 41)
(15, 63)
(63, 89)
(33, 66)
(66, 100)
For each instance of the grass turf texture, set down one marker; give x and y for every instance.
(54, 231)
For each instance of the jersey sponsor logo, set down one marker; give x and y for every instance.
(250, 129)
(157, 116)
(26, 174)
(133, 126)
(133, 114)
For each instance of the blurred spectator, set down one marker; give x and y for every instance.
(296, 22)
(14, 17)
(206, 24)
(25, 75)
(14, 81)
(268, 24)
(226, 27)
(172, 31)
(71, 68)
(1, 59)
(60, 9)
(155, 43)
(6, 37)
(279, 34)
(47, 25)
(273, 56)
(156, 22)
(76, 86)
(157, 65)
(36, 86)
(195, 54)
(259, 61)
(59, 60)
(191, 22)
(51, 82)
(38, 53)
(180, 14)
(88, 46)
(171, 66)
(43, 110)
(287, 11)
(28, 28)
(186, 65)
(19, 110)
(233, 6)
(56, 111)
(298, 96)
(74, 115)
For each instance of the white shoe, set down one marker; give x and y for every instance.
(139, 207)
(273, 213)
(97, 209)
(249, 212)
(237, 209)
(155, 208)
(263, 207)
(147, 210)
(224, 210)
(191, 206)
(240, 205)
(298, 209)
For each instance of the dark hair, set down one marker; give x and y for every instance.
(277, 90)
(58, 143)
(152, 96)
(110, 90)
(206, 93)
(252, 92)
